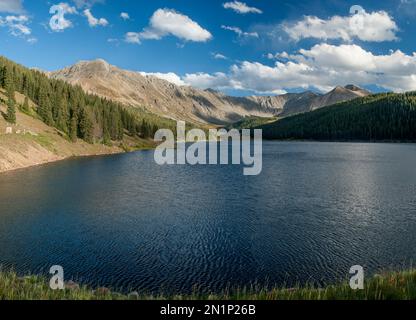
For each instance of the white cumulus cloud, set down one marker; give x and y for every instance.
(170, 77)
(165, 22)
(241, 7)
(218, 56)
(321, 67)
(132, 37)
(203, 80)
(93, 21)
(375, 26)
(124, 16)
(240, 32)
(18, 26)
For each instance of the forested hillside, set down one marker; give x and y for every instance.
(386, 116)
(69, 109)
(251, 122)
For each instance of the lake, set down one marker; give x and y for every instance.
(124, 222)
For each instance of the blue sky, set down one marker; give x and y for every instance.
(241, 47)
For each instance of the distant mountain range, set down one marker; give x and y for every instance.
(186, 103)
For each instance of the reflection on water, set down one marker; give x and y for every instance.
(124, 222)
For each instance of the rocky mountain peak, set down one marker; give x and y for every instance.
(95, 68)
(191, 104)
(352, 87)
(340, 89)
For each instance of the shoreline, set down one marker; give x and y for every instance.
(58, 158)
(117, 151)
(400, 285)
(46, 162)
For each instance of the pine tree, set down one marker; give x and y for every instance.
(106, 137)
(2, 70)
(85, 126)
(44, 106)
(154, 130)
(73, 128)
(24, 87)
(62, 117)
(8, 84)
(5, 78)
(145, 129)
(132, 129)
(11, 111)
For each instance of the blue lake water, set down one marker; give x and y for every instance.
(126, 223)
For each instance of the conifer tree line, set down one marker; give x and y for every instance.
(381, 117)
(68, 108)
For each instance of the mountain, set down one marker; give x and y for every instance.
(186, 103)
(381, 117)
(158, 96)
(295, 103)
(67, 108)
(339, 94)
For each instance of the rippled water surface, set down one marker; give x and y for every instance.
(124, 222)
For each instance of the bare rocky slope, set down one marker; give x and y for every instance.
(186, 103)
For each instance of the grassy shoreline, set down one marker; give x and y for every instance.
(388, 286)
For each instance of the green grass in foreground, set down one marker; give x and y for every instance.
(389, 286)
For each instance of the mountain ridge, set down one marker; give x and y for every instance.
(208, 106)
